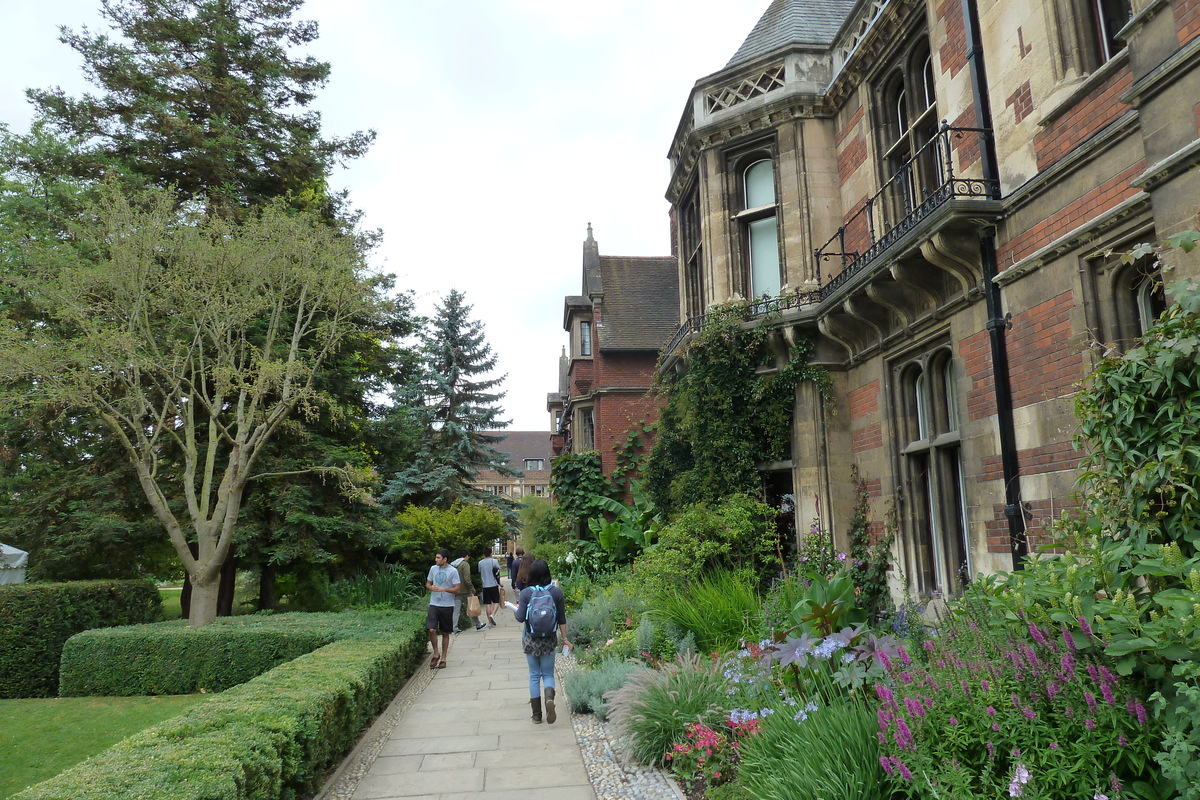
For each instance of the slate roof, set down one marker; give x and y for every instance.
(641, 302)
(790, 22)
(520, 445)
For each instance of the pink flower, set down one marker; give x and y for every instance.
(991, 712)
(886, 763)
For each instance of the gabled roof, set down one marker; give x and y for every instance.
(641, 302)
(793, 22)
(520, 445)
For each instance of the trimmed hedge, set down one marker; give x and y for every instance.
(37, 618)
(269, 738)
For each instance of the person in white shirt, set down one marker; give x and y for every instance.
(443, 583)
(489, 571)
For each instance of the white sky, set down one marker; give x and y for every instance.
(504, 127)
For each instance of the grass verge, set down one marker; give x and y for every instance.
(41, 738)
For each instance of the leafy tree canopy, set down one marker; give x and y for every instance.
(193, 339)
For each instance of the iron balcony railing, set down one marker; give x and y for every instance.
(924, 183)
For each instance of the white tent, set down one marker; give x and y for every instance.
(12, 564)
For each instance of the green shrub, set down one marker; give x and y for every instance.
(719, 611)
(393, 586)
(586, 688)
(603, 616)
(735, 536)
(654, 707)
(37, 618)
(829, 753)
(271, 737)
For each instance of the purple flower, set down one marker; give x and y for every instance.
(1090, 699)
(983, 684)
(904, 773)
(953, 721)
(1115, 782)
(1029, 713)
(1089, 724)
(904, 659)
(1054, 745)
(885, 717)
(885, 694)
(991, 712)
(886, 763)
(1083, 624)
(996, 727)
(1122, 741)
(1108, 694)
(1036, 633)
(991, 748)
(904, 738)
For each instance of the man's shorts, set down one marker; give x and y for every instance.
(491, 594)
(439, 618)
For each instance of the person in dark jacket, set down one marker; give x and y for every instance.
(539, 651)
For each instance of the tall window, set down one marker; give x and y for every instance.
(759, 228)
(585, 338)
(1105, 18)
(693, 250)
(932, 488)
(909, 124)
(587, 430)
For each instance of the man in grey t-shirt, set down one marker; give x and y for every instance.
(489, 571)
(443, 583)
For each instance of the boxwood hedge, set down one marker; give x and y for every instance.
(270, 737)
(37, 618)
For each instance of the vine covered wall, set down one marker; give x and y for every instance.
(725, 414)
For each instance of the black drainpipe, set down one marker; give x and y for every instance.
(997, 323)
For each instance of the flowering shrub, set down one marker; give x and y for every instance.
(708, 756)
(982, 714)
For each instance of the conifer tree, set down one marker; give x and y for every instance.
(457, 406)
(202, 95)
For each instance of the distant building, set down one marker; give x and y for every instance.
(529, 453)
(625, 315)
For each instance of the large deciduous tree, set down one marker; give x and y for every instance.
(457, 407)
(202, 95)
(193, 339)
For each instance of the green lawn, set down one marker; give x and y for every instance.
(41, 738)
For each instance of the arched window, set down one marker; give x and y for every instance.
(760, 228)
(932, 492)
(909, 125)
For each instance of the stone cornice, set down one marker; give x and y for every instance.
(1182, 160)
(1161, 77)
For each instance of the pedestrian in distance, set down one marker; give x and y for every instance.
(489, 576)
(514, 569)
(463, 565)
(508, 565)
(543, 613)
(443, 584)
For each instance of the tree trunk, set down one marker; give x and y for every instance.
(266, 588)
(204, 603)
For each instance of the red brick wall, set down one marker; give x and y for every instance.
(867, 438)
(864, 400)
(1021, 102)
(1089, 115)
(1187, 19)
(582, 377)
(850, 125)
(998, 540)
(976, 351)
(1040, 354)
(953, 52)
(1100, 199)
(967, 145)
(851, 157)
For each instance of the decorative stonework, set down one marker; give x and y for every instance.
(724, 97)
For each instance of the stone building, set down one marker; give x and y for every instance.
(617, 328)
(933, 191)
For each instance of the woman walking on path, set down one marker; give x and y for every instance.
(542, 611)
(489, 573)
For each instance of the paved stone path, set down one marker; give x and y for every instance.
(465, 732)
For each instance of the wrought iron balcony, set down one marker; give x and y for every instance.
(754, 309)
(924, 183)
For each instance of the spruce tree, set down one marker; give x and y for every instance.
(456, 405)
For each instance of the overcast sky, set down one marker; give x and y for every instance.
(504, 128)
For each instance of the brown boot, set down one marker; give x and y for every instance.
(550, 715)
(536, 704)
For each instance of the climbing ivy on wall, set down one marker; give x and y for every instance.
(724, 415)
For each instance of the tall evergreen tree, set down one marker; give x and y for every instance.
(202, 95)
(455, 405)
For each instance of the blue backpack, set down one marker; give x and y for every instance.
(541, 615)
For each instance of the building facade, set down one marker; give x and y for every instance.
(617, 327)
(527, 452)
(933, 191)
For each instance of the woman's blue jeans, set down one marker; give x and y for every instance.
(541, 673)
